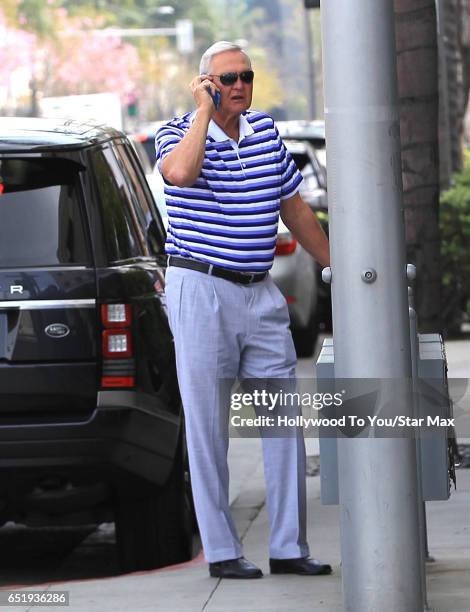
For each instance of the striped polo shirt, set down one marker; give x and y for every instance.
(229, 216)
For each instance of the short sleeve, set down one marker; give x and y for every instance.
(166, 139)
(290, 175)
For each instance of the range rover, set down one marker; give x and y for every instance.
(91, 426)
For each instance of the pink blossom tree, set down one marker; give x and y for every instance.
(81, 61)
(16, 51)
(71, 59)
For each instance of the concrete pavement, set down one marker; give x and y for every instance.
(189, 588)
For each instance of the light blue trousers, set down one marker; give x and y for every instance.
(225, 330)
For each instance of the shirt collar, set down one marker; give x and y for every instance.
(217, 133)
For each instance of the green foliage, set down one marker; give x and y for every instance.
(36, 16)
(455, 251)
(232, 18)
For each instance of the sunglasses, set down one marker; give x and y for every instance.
(229, 78)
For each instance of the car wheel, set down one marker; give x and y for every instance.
(305, 338)
(156, 530)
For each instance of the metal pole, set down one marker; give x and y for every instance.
(421, 504)
(380, 538)
(311, 86)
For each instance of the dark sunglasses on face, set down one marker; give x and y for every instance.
(229, 78)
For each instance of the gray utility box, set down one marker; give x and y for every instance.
(433, 445)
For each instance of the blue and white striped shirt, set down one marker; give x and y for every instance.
(229, 216)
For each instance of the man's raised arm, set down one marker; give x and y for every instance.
(183, 164)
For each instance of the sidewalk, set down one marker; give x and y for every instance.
(188, 588)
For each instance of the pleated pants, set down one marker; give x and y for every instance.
(224, 331)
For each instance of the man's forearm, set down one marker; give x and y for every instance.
(183, 164)
(311, 236)
(305, 227)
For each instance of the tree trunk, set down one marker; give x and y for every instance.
(416, 35)
(457, 79)
(464, 20)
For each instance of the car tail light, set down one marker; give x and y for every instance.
(117, 345)
(117, 381)
(116, 315)
(285, 244)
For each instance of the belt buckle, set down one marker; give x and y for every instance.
(251, 277)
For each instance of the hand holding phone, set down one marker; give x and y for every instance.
(203, 83)
(215, 97)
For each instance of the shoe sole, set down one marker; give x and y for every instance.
(322, 572)
(233, 577)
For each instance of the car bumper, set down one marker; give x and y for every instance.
(125, 434)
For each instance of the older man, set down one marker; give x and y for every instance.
(227, 178)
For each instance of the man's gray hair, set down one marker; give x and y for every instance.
(218, 47)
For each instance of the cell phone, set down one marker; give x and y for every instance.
(215, 97)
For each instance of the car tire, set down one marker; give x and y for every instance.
(156, 530)
(305, 338)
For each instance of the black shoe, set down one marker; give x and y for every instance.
(234, 568)
(302, 566)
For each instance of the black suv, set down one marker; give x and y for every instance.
(91, 424)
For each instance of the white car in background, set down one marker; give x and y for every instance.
(294, 271)
(306, 131)
(156, 185)
(313, 187)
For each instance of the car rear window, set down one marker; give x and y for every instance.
(41, 221)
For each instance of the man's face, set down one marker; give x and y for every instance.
(235, 98)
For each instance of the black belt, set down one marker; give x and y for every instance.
(231, 275)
